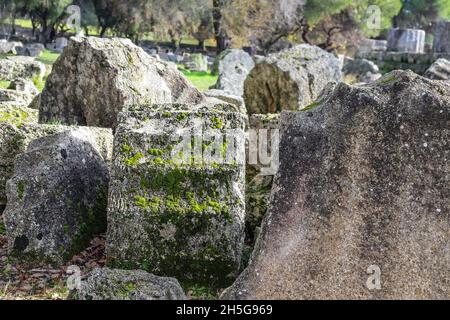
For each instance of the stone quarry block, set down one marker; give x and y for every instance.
(439, 70)
(233, 67)
(372, 45)
(9, 47)
(441, 41)
(94, 79)
(406, 40)
(360, 204)
(228, 98)
(14, 99)
(57, 196)
(197, 62)
(178, 213)
(290, 80)
(360, 70)
(24, 85)
(31, 50)
(14, 67)
(114, 284)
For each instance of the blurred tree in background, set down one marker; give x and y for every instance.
(264, 24)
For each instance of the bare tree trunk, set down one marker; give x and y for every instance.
(220, 34)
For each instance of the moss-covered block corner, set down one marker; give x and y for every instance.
(184, 220)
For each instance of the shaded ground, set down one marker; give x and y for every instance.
(22, 281)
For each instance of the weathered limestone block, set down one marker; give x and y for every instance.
(360, 205)
(197, 62)
(173, 217)
(439, 70)
(360, 71)
(441, 42)
(9, 46)
(94, 79)
(290, 80)
(233, 66)
(228, 98)
(14, 67)
(11, 99)
(114, 284)
(406, 40)
(57, 196)
(372, 45)
(26, 86)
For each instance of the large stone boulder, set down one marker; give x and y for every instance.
(176, 201)
(57, 196)
(233, 66)
(12, 98)
(94, 79)
(9, 47)
(197, 62)
(14, 67)
(24, 85)
(228, 98)
(359, 209)
(114, 284)
(439, 70)
(406, 40)
(360, 71)
(31, 50)
(290, 80)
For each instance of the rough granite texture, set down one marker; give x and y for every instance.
(363, 181)
(290, 80)
(57, 196)
(184, 220)
(94, 79)
(14, 67)
(12, 98)
(24, 85)
(233, 67)
(228, 98)
(439, 70)
(114, 284)
(360, 70)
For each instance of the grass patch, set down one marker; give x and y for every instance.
(47, 57)
(201, 80)
(4, 84)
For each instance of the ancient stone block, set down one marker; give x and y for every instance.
(360, 207)
(178, 212)
(439, 70)
(94, 79)
(14, 67)
(233, 66)
(290, 80)
(113, 284)
(57, 195)
(406, 40)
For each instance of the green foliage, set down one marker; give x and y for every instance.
(422, 13)
(47, 57)
(317, 10)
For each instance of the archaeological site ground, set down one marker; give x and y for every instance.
(224, 150)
